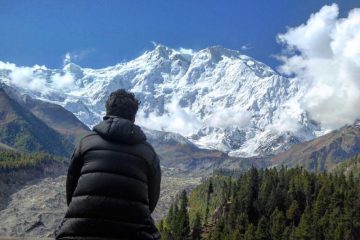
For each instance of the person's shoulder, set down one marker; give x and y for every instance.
(153, 157)
(86, 135)
(148, 145)
(146, 150)
(84, 138)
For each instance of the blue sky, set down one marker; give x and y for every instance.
(102, 33)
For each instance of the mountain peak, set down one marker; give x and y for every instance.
(222, 51)
(73, 69)
(219, 97)
(161, 47)
(161, 50)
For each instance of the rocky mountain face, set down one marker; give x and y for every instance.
(217, 98)
(178, 152)
(325, 152)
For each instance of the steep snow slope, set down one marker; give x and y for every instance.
(216, 97)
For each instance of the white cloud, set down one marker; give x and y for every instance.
(324, 53)
(288, 118)
(67, 58)
(176, 119)
(183, 121)
(246, 47)
(33, 78)
(77, 56)
(186, 51)
(229, 117)
(24, 77)
(62, 81)
(7, 65)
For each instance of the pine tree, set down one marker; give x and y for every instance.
(183, 228)
(322, 201)
(209, 192)
(262, 232)
(250, 232)
(175, 229)
(340, 233)
(300, 206)
(242, 223)
(218, 233)
(196, 229)
(236, 235)
(305, 229)
(293, 213)
(170, 217)
(278, 222)
(252, 195)
(287, 234)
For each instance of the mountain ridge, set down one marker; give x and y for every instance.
(325, 152)
(216, 97)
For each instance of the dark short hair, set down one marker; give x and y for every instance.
(122, 104)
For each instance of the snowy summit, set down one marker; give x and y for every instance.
(216, 97)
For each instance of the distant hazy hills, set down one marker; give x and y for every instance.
(325, 152)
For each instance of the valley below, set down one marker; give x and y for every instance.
(35, 210)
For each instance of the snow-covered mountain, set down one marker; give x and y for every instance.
(216, 97)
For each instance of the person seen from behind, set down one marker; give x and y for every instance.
(113, 181)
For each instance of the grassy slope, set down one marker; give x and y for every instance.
(20, 129)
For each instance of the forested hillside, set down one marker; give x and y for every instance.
(13, 160)
(268, 204)
(351, 166)
(21, 129)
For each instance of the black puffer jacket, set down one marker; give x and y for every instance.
(113, 185)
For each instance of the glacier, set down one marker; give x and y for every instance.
(215, 97)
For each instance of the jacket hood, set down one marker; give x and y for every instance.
(120, 130)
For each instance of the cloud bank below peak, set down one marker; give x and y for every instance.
(324, 53)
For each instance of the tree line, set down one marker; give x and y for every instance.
(10, 159)
(268, 204)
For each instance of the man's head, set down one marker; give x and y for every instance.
(122, 104)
